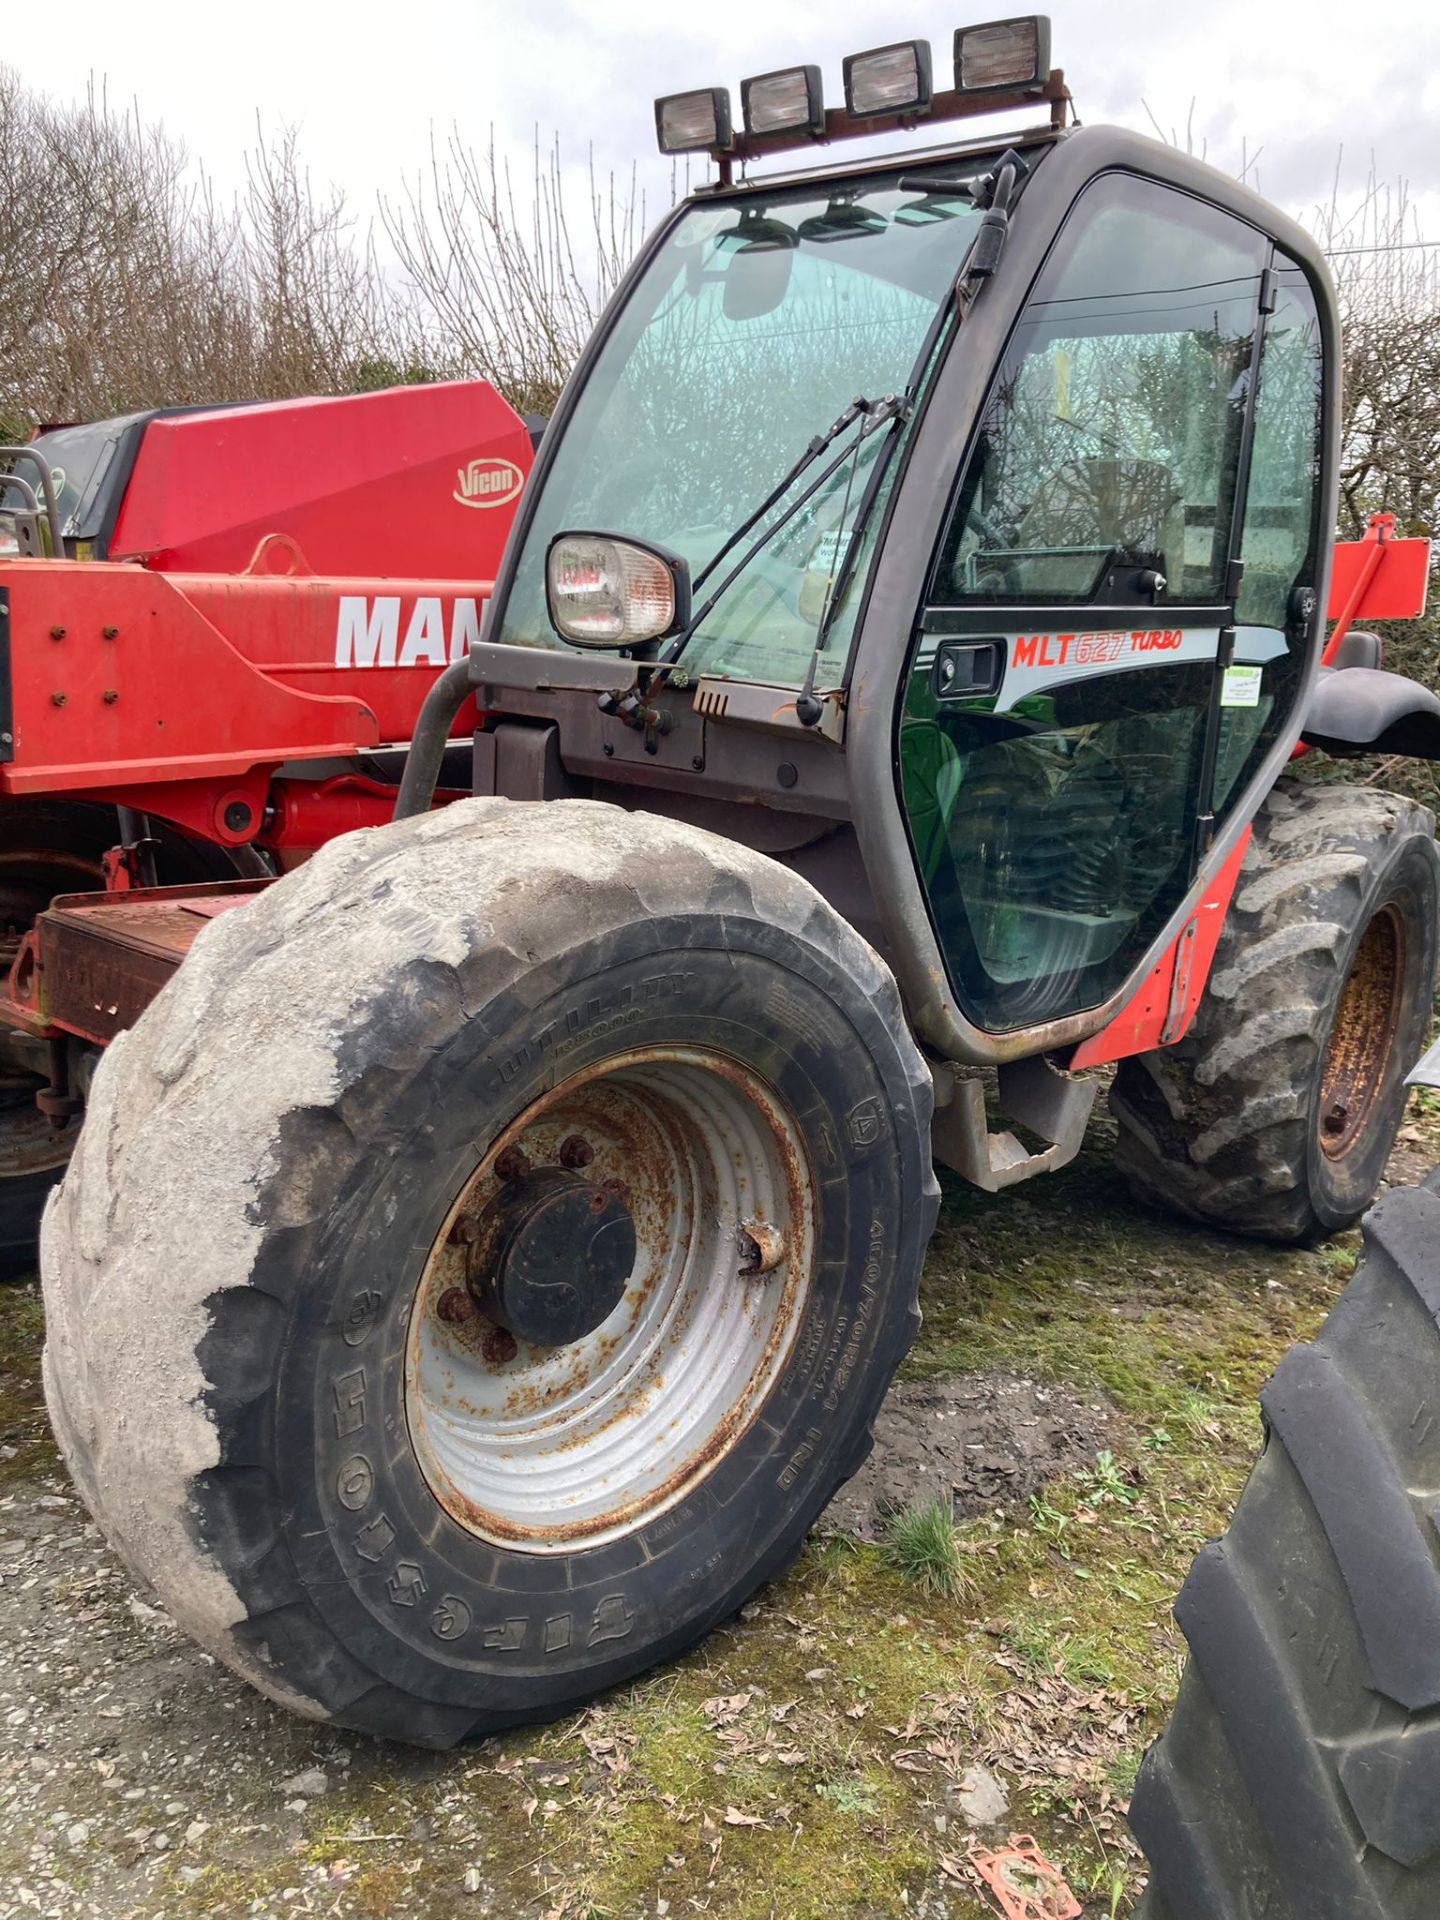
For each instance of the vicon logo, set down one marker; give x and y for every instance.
(488, 482)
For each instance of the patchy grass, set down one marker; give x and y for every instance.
(923, 1547)
(811, 1758)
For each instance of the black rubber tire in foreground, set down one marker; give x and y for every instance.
(1338, 895)
(271, 1154)
(1299, 1776)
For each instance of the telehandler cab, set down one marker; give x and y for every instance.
(485, 1258)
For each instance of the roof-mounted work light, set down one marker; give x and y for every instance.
(893, 79)
(1004, 56)
(787, 101)
(696, 122)
(999, 65)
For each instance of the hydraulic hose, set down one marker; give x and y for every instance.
(427, 746)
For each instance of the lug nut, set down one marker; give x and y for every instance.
(499, 1345)
(575, 1152)
(512, 1165)
(598, 1201)
(455, 1306)
(465, 1232)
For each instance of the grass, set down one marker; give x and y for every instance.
(922, 1545)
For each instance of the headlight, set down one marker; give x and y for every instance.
(605, 591)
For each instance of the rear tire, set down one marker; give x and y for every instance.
(467, 1032)
(1299, 1775)
(1276, 1113)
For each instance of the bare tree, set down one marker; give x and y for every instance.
(126, 283)
(500, 276)
(1389, 286)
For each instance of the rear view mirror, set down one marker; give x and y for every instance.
(760, 255)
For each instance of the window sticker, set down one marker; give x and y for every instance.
(1241, 687)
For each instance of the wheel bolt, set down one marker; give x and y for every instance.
(455, 1306)
(512, 1165)
(575, 1152)
(466, 1231)
(760, 1245)
(499, 1345)
(598, 1201)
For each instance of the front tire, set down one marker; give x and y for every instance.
(407, 1460)
(1276, 1113)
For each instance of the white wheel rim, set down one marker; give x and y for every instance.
(547, 1449)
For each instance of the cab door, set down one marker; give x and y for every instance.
(1074, 659)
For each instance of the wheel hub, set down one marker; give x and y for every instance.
(552, 1257)
(612, 1294)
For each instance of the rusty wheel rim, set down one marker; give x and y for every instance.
(546, 1448)
(1362, 1034)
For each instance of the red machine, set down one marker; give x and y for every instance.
(304, 570)
(216, 629)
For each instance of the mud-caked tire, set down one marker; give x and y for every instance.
(390, 1089)
(1276, 1113)
(1299, 1775)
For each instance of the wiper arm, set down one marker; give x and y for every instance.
(872, 414)
(858, 407)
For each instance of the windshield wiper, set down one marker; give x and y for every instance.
(994, 192)
(871, 414)
(857, 407)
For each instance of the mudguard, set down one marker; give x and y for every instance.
(1356, 710)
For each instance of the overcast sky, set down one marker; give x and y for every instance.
(367, 82)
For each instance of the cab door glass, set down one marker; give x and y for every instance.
(1052, 738)
(1109, 448)
(1279, 546)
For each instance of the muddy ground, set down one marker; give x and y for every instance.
(1083, 1389)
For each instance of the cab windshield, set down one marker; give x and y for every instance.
(757, 321)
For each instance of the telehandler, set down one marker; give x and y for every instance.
(483, 1260)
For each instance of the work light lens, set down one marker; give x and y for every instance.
(693, 122)
(1004, 55)
(889, 79)
(784, 102)
(604, 592)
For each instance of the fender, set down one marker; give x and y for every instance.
(1356, 710)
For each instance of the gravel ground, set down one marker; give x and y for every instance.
(140, 1778)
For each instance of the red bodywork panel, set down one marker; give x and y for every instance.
(414, 482)
(182, 694)
(1162, 1007)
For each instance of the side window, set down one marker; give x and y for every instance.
(1110, 444)
(1281, 533)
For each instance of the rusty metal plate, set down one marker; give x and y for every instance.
(103, 957)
